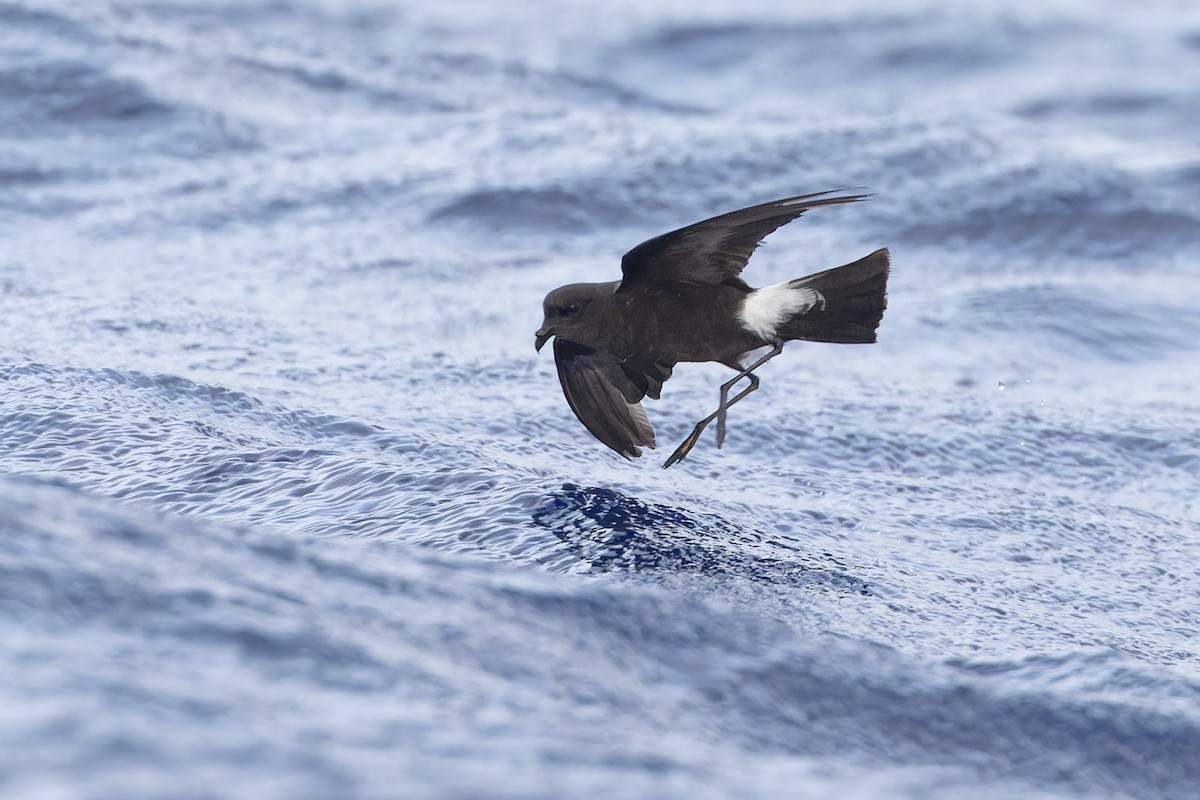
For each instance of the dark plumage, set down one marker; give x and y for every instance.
(681, 298)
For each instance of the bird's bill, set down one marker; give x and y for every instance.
(540, 339)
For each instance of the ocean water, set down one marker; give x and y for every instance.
(290, 508)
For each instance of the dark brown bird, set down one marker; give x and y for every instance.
(681, 298)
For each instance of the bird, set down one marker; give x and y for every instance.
(681, 298)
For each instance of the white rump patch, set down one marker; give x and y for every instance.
(764, 310)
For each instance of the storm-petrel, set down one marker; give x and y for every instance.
(681, 298)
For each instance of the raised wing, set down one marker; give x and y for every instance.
(716, 250)
(605, 393)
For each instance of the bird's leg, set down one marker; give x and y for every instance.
(726, 402)
(747, 372)
(686, 446)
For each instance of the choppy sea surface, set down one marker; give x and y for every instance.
(289, 507)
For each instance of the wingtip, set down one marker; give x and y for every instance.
(825, 198)
(634, 451)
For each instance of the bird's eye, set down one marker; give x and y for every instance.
(570, 309)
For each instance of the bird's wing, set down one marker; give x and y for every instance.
(605, 393)
(716, 250)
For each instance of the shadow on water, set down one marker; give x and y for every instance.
(610, 532)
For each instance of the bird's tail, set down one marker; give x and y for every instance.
(854, 297)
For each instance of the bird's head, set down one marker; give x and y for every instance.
(568, 311)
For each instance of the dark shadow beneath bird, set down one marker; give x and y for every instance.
(681, 298)
(611, 532)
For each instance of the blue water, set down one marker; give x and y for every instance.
(289, 507)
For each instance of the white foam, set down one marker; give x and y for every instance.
(764, 310)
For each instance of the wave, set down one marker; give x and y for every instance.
(535, 209)
(1063, 213)
(606, 531)
(74, 93)
(413, 638)
(1095, 322)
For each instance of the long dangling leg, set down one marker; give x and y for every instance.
(686, 446)
(726, 402)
